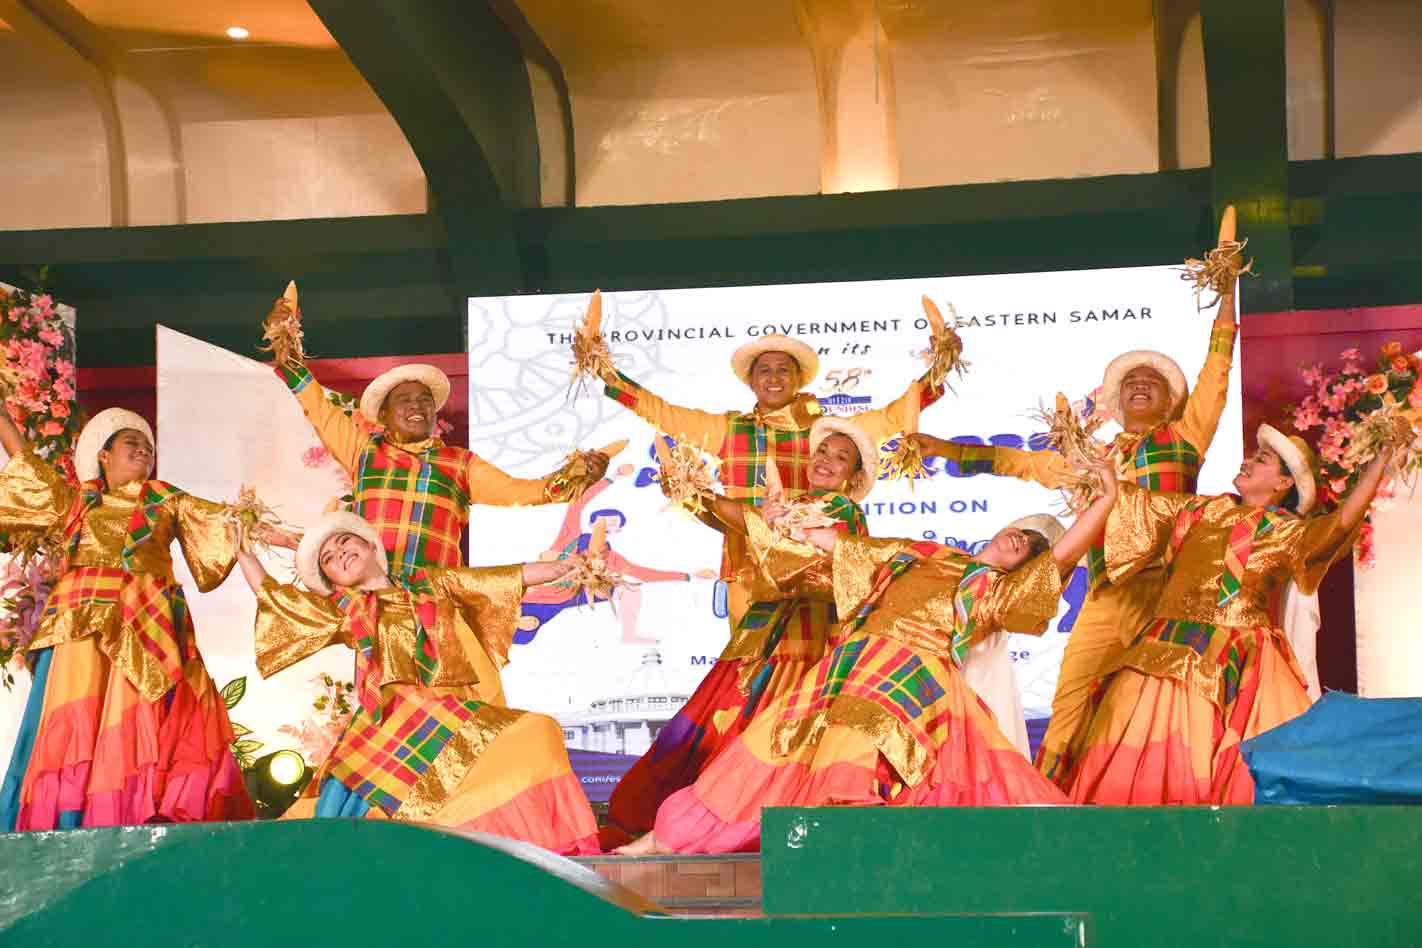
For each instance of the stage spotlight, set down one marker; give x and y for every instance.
(274, 782)
(238, 32)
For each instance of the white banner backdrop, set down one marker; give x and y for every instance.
(225, 421)
(612, 678)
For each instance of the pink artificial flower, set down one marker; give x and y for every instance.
(65, 369)
(1377, 384)
(44, 303)
(1352, 355)
(51, 337)
(315, 456)
(1306, 416)
(1313, 375)
(1391, 349)
(51, 429)
(59, 409)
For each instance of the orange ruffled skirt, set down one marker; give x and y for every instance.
(521, 786)
(715, 715)
(970, 763)
(1155, 740)
(93, 752)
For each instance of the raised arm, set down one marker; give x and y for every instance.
(881, 424)
(204, 533)
(704, 429)
(339, 432)
(1089, 525)
(491, 485)
(1041, 467)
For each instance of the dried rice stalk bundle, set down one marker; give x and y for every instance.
(45, 547)
(1221, 267)
(576, 469)
(686, 477)
(944, 355)
(592, 359)
(281, 330)
(1392, 425)
(592, 576)
(803, 515)
(904, 462)
(1074, 439)
(256, 519)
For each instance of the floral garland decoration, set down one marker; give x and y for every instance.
(37, 345)
(1345, 405)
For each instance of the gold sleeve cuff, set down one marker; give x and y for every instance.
(292, 624)
(1321, 542)
(33, 493)
(488, 597)
(1023, 601)
(203, 533)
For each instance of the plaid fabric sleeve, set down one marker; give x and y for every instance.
(1206, 402)
(340, 433)
(704, 429)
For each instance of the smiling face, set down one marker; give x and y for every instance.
(127, 457)
(1263, 478)
(1012, 547)
(835, 460)
(774, 378)
(1145, 398)
(409, 412)
(347, 560)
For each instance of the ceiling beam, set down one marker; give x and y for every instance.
(453, 77)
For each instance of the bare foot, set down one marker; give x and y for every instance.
(645, 845)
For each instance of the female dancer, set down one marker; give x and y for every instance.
(886, 718)
(1212, 668)
(781, 634)
(123, 724)
(422, 744)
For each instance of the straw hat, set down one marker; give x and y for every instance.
(1045, 524)
(1120, 367)
(97, 432)
(744, 357)
(373, 398)
(308, 552)
(1298, 457)
(862, 481)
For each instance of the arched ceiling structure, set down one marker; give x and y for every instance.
(401, 156)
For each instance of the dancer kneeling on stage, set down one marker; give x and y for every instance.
(782, 633)
(123, 724)
(421, 745)
(1212, 668)
(886, 718)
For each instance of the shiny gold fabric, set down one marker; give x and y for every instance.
(776, 568)
(34, 495)
(1138, 533)
(478, 603)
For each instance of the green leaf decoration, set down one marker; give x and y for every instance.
(233, 691)
(239, 730)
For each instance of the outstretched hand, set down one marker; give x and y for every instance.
(929, 446)
(597, 465)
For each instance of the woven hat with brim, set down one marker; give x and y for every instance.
(744, 357)
(373, 398)
(1298, 457)
(1121, 366)
(1045, 524)
(862, 481)
(99, 430)
(308, 552)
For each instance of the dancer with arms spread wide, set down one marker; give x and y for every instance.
(123, 725)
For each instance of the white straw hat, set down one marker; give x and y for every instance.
(861, 482)
(373, 398)
(308, 552)
(1045, 524)
(1298, 457)
(97, 432)
(1120, 367)
(744, 357)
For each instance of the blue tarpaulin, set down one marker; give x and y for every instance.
(1344, 749)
